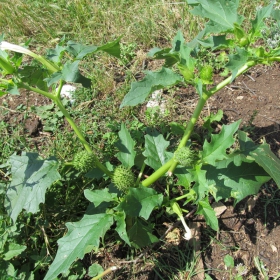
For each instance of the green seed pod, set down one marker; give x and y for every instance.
(206, 74)
(84, 161)
(123, 178)
(185, 156)
(243, 42)
(186, 72)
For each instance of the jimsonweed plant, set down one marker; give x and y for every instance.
(126, 199)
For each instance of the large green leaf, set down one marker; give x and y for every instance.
(34, 76)
(31, 177)
(99, 196)
(170, 57)
(126, 154)
(56, 54)
(80, 50)
(262, 155)
(140, 202)
(222, 12)
(258, 23)
(155, 149)
(140, 234)
(13, 250)
(215, 42)
(236, 61)
(152, 81)
(71, 73)
(80, 239)
(237, 181)
(216, 149)
(184, 51)
(121, 227)
(205, 209)
(201, 186)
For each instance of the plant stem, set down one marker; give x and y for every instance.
(157, 174)
(190, 127)
(193, 120)
(45, 93)
(181, 197)
(107, 271)
(140, 174)
(228, 80)
(79, 134)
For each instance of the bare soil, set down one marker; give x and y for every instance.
(251, 229)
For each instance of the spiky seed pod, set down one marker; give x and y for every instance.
(185, 156)
(206, 74)
(123, 178)
(84, 161)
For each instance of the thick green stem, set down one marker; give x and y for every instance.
(272, 59)
(45, 93)
(227, 81)
(80, 135)
(157, 174)
(193, 120)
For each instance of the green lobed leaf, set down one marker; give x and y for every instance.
(233, 180)
(31, 177)
(34, 76)
(13, 89)
(215, 42)
(151, 82)
(236, 61)
(258, 23)
(141, 235)
(13, 250)
(170, 58)
(155, 149)
(212, 118)
(126, 154)
(80, 51)
(99, 196)
(121, 227)
(184, 177)
(201, 186)
(54, 78)
(85, 233)
(205, 209)
(262, 154)
(112, 48)
(184, 50)
(216, 149)
(222, 12)
(140, 202)
(56, 54)
(71, 73)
